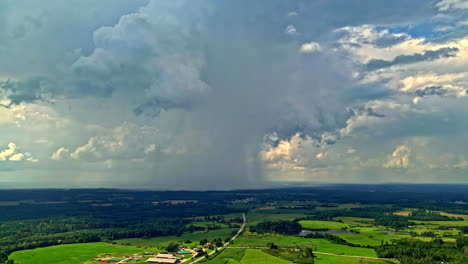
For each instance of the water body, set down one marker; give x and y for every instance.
(330, 232)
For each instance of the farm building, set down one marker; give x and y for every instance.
(184, 252)
(165, 255)
(163, 260)
(114, 260)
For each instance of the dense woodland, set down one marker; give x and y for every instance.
(411, 251)
(280, 227)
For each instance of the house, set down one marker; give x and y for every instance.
(198, 250)
(163, 260)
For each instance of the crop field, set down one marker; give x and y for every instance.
(270, 215)
(194, 237)
(255, 256)
(355, 221)
(421, 229)
(454, 215)
(443, 223)
(229, 255)
(371, 236)
(70, 254)
(403, 213)
(327, 259)
(245, 256)
(321, 225)
(322, 245)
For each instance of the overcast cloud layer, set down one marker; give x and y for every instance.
(232, 94)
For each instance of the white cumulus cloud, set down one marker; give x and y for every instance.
(399, 158)
(12, 154)
(125, 142)
(310, 47)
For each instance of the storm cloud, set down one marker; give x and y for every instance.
(427, 55)
(225, 94)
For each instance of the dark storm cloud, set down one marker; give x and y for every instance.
(388, 39)
(431, 90)
(367, 111)
(216, 77)
(427, 55)
(154, 106)
(238, 75)
(28, 91)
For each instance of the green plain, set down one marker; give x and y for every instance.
(317, 225)
(321, 245)
(255, 256)
(70, 254)
(195, 237)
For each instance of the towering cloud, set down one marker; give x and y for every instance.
(225, 94)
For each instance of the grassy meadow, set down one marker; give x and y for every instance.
(194, 237)
(255, 256)
(71, 254)
(322, 225)
(327, 259)
(318, 244)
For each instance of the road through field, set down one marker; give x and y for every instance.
(227, 243)
(241, 229)
(330, 254)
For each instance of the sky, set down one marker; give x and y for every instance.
(188, 94)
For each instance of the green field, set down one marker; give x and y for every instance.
(270, 215)
(371, 236)
(321, 225)
(255, 256)
(326, 259)
(228, 255)
(195, 237)
(322, 245)
(70, 254)
(355, 221)
(245, 256)
(443, 223)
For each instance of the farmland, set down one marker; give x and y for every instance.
(67, 254)
(194, 238)
(322, 245)
(336, 229)
(322, 225)
(252, 256)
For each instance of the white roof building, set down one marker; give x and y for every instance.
(167, 256)
(163, 260)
